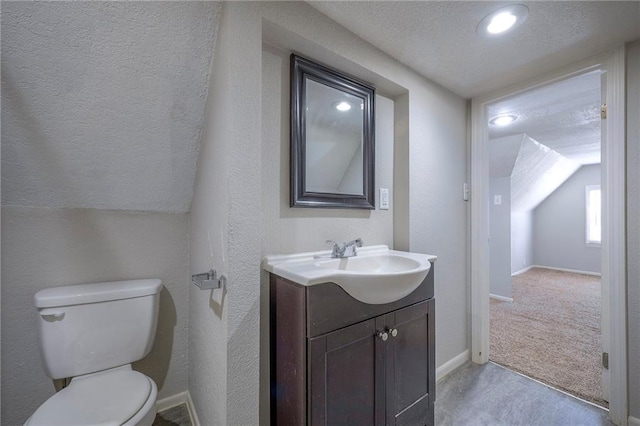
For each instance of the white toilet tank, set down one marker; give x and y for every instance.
(87, 328)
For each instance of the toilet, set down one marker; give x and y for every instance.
(92, 333)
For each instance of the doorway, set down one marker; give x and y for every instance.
(613, 220)
(545, 307)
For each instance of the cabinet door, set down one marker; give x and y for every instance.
(410, 369)
(346, 376)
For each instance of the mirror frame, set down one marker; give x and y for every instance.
(301, 69)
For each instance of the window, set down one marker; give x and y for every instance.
(594, 217)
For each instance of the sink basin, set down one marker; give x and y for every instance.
(377, 264)
(376, 275)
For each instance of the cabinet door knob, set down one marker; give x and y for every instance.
(383, 335)
(394, 332)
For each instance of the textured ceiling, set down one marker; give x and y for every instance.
(565, 116)
(557, 131)
(538, 171)
(438, 38)
(103, 102)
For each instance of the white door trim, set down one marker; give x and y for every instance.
(614, 238)
(614, 230)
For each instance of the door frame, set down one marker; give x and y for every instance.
(613, 226)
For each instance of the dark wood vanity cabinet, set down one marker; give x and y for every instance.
(338, 361)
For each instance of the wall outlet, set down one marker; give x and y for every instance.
(384, 199)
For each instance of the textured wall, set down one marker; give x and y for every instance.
(209, 233)
(559, 225)
(287, 230)
(102, 108)
(500, 233)
(401, 173)
(103, 102)
(437, 163)
(45, 248)
(230, 198)
(633, 224)
(291, 230)
(437, 212)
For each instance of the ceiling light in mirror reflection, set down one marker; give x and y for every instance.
(334, 130)
(503, 120)
(343, 106)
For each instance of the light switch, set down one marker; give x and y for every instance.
(384, 199)
(497, 200)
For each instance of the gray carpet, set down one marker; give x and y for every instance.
(551, 331)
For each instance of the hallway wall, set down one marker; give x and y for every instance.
(559, 225)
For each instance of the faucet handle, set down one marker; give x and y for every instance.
(357, 242)
(350, 247)
(335, 248)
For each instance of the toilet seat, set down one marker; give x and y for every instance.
(113, 397)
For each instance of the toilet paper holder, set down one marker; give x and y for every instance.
(209, 280)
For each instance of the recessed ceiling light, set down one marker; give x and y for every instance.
(503, 120)
(503, 20)
(343, 106)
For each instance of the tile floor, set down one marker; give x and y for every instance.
(477, 395)
(492, 395)
(174, 416)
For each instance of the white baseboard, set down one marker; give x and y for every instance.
(452, 364)
(171, 401)
(178, 399)
(192, 411)
(522, 271)
(633, 421)
(498, 297)
(575, 271)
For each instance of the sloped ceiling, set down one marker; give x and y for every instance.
(103, 102)
(538, 171)
(503, 153)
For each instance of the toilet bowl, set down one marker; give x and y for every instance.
(119, 396)
(92, 333)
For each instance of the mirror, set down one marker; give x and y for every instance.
(332, 138)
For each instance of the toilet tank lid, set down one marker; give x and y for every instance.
(97, 292)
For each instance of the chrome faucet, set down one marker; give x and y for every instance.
(345, 249)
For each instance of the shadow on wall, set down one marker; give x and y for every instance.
(216, 301)
(156, 364)
(243, 363)
(39, 145)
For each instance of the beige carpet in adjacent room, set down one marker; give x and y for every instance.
(551, 331)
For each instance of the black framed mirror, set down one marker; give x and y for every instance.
(332, 138)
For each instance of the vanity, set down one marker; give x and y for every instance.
(352, 340)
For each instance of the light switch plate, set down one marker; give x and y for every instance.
(384, 199)
(497, 200)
